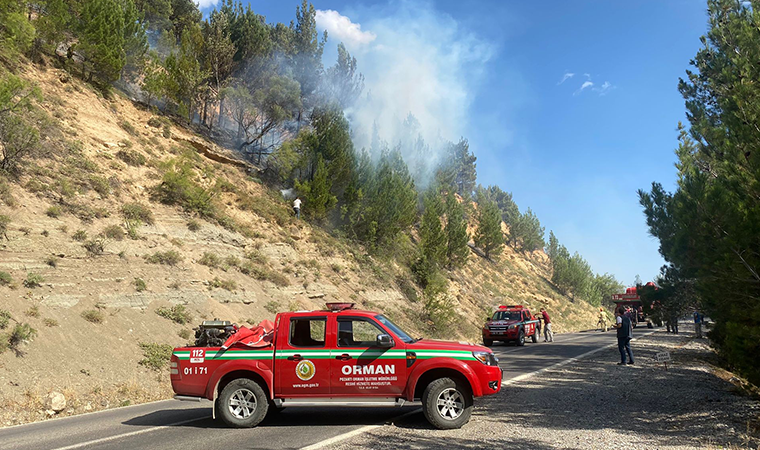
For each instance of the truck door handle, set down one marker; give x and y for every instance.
(295, 358)
(343, 357)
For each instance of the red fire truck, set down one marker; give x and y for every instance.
(510, 324)
(337, 357)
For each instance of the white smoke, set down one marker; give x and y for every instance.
(422, 62)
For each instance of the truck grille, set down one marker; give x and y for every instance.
(498, 329)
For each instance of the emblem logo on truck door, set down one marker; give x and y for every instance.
(305, 370)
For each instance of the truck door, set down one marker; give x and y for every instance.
(530, 328)
(302, 359)
(360, 367)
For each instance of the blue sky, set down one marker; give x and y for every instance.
(574, 155)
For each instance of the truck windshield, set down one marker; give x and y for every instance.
(396, 330)
(506, 315)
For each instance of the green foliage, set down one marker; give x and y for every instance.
(438, 305)
(193, 225)
(33, 280)
(80, 235)
(4, 222)
(228, 285)
(167, 258)
(526, 232)
(140, 285)
(185, 333)
(5, 318)
(33, 311)
(455, 230)
(709, 227)
(432, 237)
(137, 211)
(128, 127)
(5, 279)
(178, 188)
(54, 211)
(114, 232)
(177, 314)
(21, 333)
(95, 247)
(459, 171)
(156, 356)
(18, 135)
(131, 157)
(210, 259)
(318, 200)
(49, 322)
(102, 39)
(93, 316)
(488, 237)
(272, 306)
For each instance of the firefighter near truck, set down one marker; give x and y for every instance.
(340, 356)
(512, 323)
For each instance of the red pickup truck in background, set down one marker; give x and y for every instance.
(336, 357)
(511, 323)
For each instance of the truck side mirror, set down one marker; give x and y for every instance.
(384, 341)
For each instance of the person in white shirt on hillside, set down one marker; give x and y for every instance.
(297, 207)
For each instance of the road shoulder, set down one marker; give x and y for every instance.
(594, 403)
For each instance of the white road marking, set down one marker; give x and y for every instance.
(350, 434)
(123, 435)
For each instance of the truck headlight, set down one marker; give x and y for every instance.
(486, 358)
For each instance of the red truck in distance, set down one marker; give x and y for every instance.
(336, 357)
(510, 324)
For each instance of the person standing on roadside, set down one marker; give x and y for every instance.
(624, 336)
(548, 334)
(297, 207)
(698, 319)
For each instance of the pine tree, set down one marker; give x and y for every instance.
(318, 200)
(432, 238)
(102, 39)
(457, 237)
(552, 250)
(488, 237)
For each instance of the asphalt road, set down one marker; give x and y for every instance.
(173, 424)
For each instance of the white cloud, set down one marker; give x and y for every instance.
(585, 85)
(343, 29)
(604, 88)
(203, 4)
(589, 85)
(565, 77)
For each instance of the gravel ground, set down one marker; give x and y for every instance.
(595, 404)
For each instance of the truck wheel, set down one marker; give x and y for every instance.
(243, 403)
(487, 342)
(447, 404)
(521, 338)
(534, 338)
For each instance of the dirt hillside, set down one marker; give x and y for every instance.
(98, 263)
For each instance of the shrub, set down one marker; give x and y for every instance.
(34, 311)
(177, 188)
(128, 127)
(193, 225)
(167, 132)
(93, 315)
(210, 259)
(157, 356)
(228, 285)
(155, 122)
(177, 314)
(256, 256)
(168, 258)
(272, 306)
(95, 247)
(132, 157)
(114, 232)
(25, 230)
(100, 185)
(50, 322)
(140, 285)
(54, 212)
(6, 196)
(231, 261)
(22, 332)
(80, 235)
(132, 226)
(33, 280)
(184, 333)
(137, 211)
(4, 221)
(5, 318)
(278, 279)
(5, 279)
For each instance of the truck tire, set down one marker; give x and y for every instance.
(534, 338)
(520, 338)
(487, 342)
(242, 403)
(447, 404)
